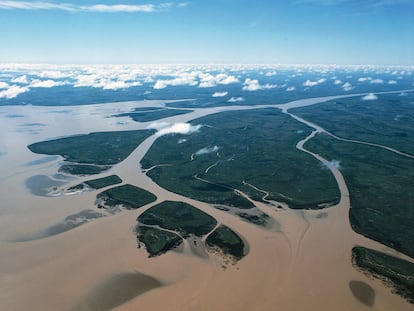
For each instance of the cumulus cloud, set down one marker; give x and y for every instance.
(219, 94)
(337, 82)
(370, 96)
(53, 74)
(392, 82)
(184, 79)
(164, 128)
(115, 84)
(347, 86)
(209, 80)
(290, 89)
(310, 83)
(3, 85)
(45, 83)
(21, 80)
(13, 91)
(270, 73)
(236, 99)
(98, 80)
(254, 85)
(377, 81)
(364, 79)
(103, 8)
(207, 150)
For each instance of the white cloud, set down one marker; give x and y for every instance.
(337, 82)
(85, 80)
(377, 81)
(115, 85)
(207, 150)
(13, 91)
(270, 73)
(45, 83)
(370, 96)
(392, 82)
(290, 89)
(219, 94)
(104, 8)
(105, 80)
(176, 128)
(254, 85)
(347, 86)
(364, 79)
(21, 79)
(3, 85)
(184, 79)
(208, 80)
(310, 83)
(335, 164)
(53, 74)
(236, 99)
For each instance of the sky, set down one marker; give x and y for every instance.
(354, 32)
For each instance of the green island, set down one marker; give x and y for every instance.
(227, 241)
(128, 196)
(98, 183)
(83, 169)
(180, 217)
(92, 153)
(157, 241)
(237, 148)
(255, 219)
(152, 114)
(381, 187)
(394, 272)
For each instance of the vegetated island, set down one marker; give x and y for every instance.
(240, 148)
(394, 272)
(97, 183)
(92, 153)
(163, 226)
(127, 196)
(227, 241)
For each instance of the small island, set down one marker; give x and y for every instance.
(127, 196)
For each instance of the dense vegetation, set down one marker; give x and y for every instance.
(99, 183)
(128, 196)
(256, 146)
(141, 115)
(381, 185)
(228, 241)
(157, 241)
(180, 217)
(393, 271)
(388, 121)
(83, 170)
(103, 148)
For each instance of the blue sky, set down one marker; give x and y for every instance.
(214, 31)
